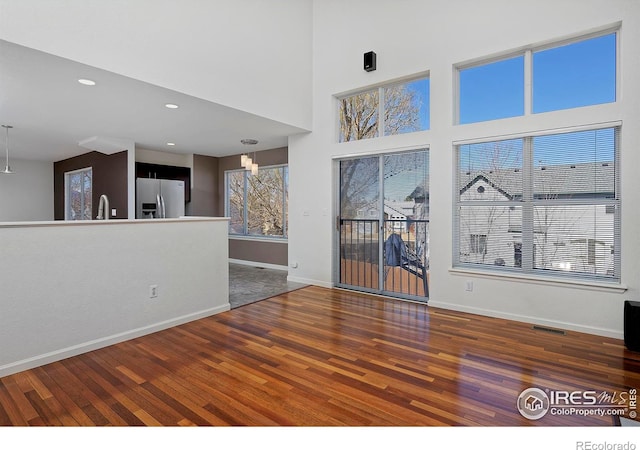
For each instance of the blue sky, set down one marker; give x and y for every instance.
(574, 75)
(570, 76)
(492, 91)
(421, 90)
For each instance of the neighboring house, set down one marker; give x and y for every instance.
(572, 237)
(399, 212)
(400, 217)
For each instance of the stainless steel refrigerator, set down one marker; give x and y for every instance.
(159, 199)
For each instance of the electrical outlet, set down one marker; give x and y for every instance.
(153, 291)
(468, 286)
(113, 212)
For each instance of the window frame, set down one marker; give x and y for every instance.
(245, 234)
(527, 268)
(380, 89)
(67, 192)
(527, 52)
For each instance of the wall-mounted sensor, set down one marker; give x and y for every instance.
(370, 61)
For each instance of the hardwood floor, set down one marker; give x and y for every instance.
(319, 356)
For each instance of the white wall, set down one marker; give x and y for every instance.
(247, 54)
(414, 36)
(26, 194)
(72, 287)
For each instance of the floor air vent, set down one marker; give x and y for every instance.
(550, 330)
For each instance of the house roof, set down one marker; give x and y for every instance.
(398, 208)
(553, 180)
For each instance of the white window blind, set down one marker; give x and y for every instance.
(548, 204)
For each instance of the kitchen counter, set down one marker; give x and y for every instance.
(71, 287)
(57, 223)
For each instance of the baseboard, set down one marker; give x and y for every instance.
(257, 264)
(310, 281)
(529, 319)
(57, 355)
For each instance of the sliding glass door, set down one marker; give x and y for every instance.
(383, 232)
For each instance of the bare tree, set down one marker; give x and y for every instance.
(497, 164)
(401, 110)
(360, 113)
(266, 201)
(359, 116)
(235, 182)
(553, 225)
(360, 119)
(358, 186)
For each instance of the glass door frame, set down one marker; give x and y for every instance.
(336, 250)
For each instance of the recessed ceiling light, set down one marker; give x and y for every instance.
(86, 82)
(171, 106)
(171, 143)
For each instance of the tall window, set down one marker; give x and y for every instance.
(384, 111)
(566, 75)
(541, 204)
(257, 204)
(78, 191)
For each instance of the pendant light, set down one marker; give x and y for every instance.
(245, 159)
(7, 168)
(254, 166)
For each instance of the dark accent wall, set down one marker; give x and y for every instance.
(253, 250)
(204, 192)
(266, 252)
(109, 177)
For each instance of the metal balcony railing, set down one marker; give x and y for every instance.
(405, 255)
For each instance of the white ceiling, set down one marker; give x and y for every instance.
(51, 112)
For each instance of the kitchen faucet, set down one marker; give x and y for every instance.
(103, 208)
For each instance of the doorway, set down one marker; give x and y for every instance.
(383, 224)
